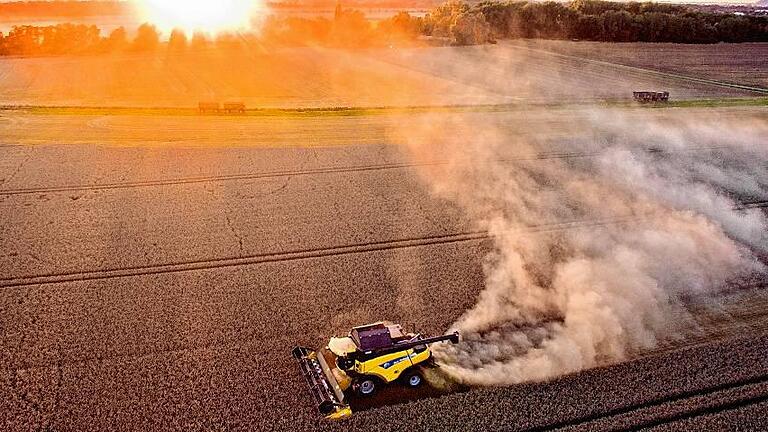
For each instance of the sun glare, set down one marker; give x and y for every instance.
(210, 16)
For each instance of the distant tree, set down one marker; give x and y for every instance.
(177, 42)
(733, 29)
(598, 7)
(589, 27)
(350, 28)
(199, 42)
(471, 28)
(338, 11)
(554, 20)
(401, 26)
(618, 26)
(69, 39)
(499, 17)
(21, 40)
(673, 9)
(116, 41)
(654, 26)
(24, 40)
(441, 20)
(147, 39)
(594, 7)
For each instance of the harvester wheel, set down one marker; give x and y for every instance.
(365, 387)
(413, 379)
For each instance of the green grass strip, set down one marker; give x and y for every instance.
(369, 111)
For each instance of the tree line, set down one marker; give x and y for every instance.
(347, 28)
(75, 39)
(593, 20)
(456, 22)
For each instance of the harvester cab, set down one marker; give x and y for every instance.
(370, 356)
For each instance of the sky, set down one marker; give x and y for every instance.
(722, 2)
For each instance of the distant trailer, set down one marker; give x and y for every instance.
(650, 96)
(234, 108)
(209, 107)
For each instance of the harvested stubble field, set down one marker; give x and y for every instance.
(141, 185)
(732, 63)
(156, 270)
(157, 284)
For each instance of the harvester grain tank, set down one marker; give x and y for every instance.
(370, 356)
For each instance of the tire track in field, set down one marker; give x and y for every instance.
(732, 406)
(210, 179)
(302, 254)
(726, 396)
(734, 320)
(309, 172)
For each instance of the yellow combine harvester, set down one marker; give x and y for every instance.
(370, 356)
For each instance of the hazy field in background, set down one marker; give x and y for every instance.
(317, 77)
(744, 63)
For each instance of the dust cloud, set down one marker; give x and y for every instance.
(598, 244)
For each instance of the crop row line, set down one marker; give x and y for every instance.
(272, 257)
(730, 405)
(203, 179)
(320, 252)
(206, 264)
(665, 400)
(318, 171)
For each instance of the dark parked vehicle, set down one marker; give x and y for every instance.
(650, 96)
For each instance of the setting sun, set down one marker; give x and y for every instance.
(198, 15)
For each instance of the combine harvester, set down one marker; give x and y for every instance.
(372, 355)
